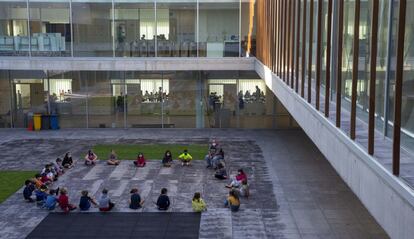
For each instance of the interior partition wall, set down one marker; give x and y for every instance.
(127, 28)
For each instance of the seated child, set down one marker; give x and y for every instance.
(163, 202)
(140, 162)
(232, 201)
(167, 160)
(41, 195)
(64, 201)
(113, 158)
(90, 158)
(236, 181)
(198, 203)
(47, 170)
(28, 191)
(37, 180)
(57, 165)
(51, 200)
(67, 161)
(85, 201)
(221, 172)
(105, 204)
(244, 189)
(185, 158)
(45, 178)
(135, 202)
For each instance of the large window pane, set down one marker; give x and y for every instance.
(5, 100)
(176, 28)
(219, 28)
(92, 26)
(248, 27)
(407, 111)
(14, 37)
(143, 99)
(68, 98)
(50, 28)
(135, 28)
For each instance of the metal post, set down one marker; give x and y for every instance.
(198, 28)
(71, 27)
(48, 92)
(240, 28)
(388, 68)
(113, 28)
(11, 99)
(28, 28)
(399, 70)
(156, 29)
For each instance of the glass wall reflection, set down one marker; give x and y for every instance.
(219, 28)
(50, 28)
(176, 28)
(92, 28)
(135, 28)
(14, 32)
(113, 99)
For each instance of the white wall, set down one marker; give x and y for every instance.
(386, 197)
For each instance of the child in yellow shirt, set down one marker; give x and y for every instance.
(198, 203)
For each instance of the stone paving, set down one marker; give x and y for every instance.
(312, 200)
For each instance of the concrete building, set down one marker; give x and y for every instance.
(340, 70)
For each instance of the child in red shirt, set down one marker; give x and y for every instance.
(64, 201)
(140, 162)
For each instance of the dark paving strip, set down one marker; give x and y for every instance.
(118, 225)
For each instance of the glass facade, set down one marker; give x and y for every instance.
(127, 28)
(134, 99)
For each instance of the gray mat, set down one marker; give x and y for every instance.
(119, 225)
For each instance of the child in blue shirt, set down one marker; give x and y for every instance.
(41, 195)
(85, 201)
(51, 200)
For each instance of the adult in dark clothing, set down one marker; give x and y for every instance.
(163, 202)
(221, 172)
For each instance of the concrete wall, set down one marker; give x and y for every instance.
(386, 197)
(126, 64)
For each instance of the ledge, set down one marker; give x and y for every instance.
(126, 64)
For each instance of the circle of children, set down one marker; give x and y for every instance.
(48, 198)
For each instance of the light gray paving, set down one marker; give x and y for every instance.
(283, 167)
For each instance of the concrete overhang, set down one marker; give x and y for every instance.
(126, 64)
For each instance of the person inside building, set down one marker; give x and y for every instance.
(113, 158)
(185, 158)
(91, 158)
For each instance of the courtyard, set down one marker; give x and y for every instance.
(295, 193)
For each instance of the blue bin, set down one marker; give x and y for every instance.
(54, 122)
